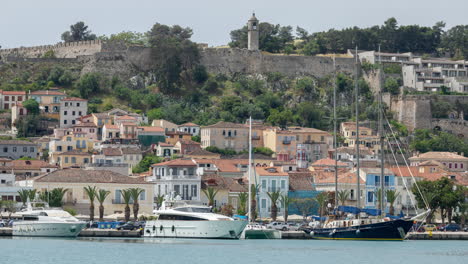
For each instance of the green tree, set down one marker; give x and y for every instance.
(210, 194)
(88, 84)
(24, 195)
(155, 113)
(281, 119)
(243, 197)
(274, 198)
(391, 85)
(127, 196)
(285, 202)
(56, 197)
(128, 37)
(392, 196)
(146, 162)
(343, 196)
(92, 193)
(32, 106)
(101, 196)
(135, 194)
(78, 32)
(272, 38)
(321, 199)
(159, 200)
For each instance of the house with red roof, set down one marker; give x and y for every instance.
(8, 98)
(191, 128)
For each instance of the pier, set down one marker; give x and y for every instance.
(437, 236)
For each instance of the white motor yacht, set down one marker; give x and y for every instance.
(257, 231)
(47, 222)
(190, 221)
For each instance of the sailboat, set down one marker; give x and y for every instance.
(254, 230)
(362, 228)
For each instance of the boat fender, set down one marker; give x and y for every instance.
(334, 231)
(173, 228)
(358, 231)
(161, 228)
(312, 233)
(154, 228)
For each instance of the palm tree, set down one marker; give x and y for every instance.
(343, 196)
(44, 196)
(135, 194)
(253, 203)
(56, 196)
(243, 197)
(392, 195)
(23, 194)
(159, 200)
(91, 192)
(210, 194)
(32, 194)
(274, 197)
(101, 197)
(285, 202)
(321, 199)
(127, 196)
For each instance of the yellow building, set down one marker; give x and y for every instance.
(49, 101)
(74, 158)
(225, 135)
(76, 179)
(366, 138)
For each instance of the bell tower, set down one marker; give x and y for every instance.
(253, 38)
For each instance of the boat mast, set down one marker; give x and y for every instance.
(334, 133)
(250, 169)
(382, 167)
(357, 131)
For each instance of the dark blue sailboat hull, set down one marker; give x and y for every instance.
(390, 230)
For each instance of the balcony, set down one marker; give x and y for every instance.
(255, 137)
(286, 142)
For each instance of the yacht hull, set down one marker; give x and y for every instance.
(221, 229)
(33, 229)
(390, 230)
(262, 234)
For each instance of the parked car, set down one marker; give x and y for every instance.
(452, 227)
(131, 225)
(430, 227)
(278, 226)
(293, 226)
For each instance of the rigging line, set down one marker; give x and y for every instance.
(406, 163)
(401, 175)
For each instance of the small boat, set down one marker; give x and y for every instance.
(257, 231)
(192, 221)
(47, 222)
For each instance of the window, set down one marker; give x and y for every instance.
(351, 194)
(73, 122)
(456, 165)
(73, 113)
(14, 149)
(79, 113)
(77, 104)
(142, 196)
(5, 149)
(20, 98)
(387, 180)
(66, 159)
(73, 160)
(377, 180)
(64, 122)
(370, 197)
(25, 149)
(66, 104)
(283, 184)
(263, 203)
(264, 185)
(64, 112)
(7, 98)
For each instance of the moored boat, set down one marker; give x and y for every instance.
(257, 231)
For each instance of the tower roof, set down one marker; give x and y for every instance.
(253, 18)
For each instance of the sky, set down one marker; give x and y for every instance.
(41, 22)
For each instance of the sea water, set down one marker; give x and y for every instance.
(168, 251)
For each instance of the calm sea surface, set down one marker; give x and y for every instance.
(112, 251)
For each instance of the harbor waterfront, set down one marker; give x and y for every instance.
(114, 250)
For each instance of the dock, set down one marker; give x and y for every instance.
(95, 232)
(294, 235)
(437, 236)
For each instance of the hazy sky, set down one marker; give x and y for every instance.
(39, 22)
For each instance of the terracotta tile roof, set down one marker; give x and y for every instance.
(439, 156)
(14, 93)
(30, 164)
(189, 124)
(128, 123)
(225, 183)
(224, 165)
(75, 153)
(125, 117)
(343, 177)
(163, 144)
(74, 99)
(88, 177)
(16, 142)
(112, 152)
(101, 115)
(270, 171)
(151, 129)
(131, 150)
(352, 150)
(327, 162)
(300, 181)
(47, 92)
(222, 124)
(107, 126)
(174, 133)
(417, 172)
(177, 163)
(188, 142)
(202, 152)
(85, 124)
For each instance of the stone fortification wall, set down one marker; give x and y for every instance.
(415, 112)
(61, 50)
(232, 61)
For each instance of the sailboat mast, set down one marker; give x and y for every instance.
(382, 167)
(250, 169)
(334, 133)
(357, 132)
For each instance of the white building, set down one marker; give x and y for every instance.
(271, 179)
(191, 128)
(70, 109)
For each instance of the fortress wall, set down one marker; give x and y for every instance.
(231, 61)
(61, 50)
